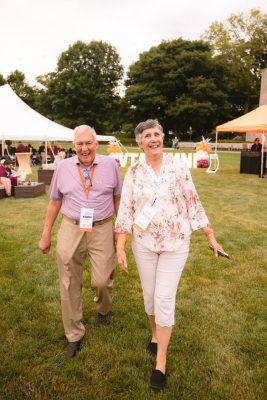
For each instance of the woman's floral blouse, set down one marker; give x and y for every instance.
(174, 197)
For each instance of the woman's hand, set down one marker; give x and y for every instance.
(116, 235)
(212, 241)
(215, 246)
(122, 260)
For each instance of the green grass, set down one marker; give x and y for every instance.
(218, 349)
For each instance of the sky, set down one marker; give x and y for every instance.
(33, 33)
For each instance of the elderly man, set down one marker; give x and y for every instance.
(86, 188)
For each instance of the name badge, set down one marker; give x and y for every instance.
(86, 219)
(144, 218)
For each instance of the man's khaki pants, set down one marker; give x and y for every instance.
(72, 248)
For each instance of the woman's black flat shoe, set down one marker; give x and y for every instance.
(152, 348)
(158, 380)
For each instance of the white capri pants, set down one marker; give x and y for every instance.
(160, 275)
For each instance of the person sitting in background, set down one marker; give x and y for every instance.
(69, 153)
(55, 149)
(257, 146)
(21, 148)
(5, 182)
(7, 176)
(41, 152)
(6, 171)
(29, 148)
(59, 157)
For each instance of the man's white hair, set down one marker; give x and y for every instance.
(84, 128)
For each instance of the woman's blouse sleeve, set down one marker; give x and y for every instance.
(196, 213)
(124, 220)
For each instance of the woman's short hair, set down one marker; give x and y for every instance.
(149, 123)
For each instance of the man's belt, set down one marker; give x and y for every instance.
(95, 223)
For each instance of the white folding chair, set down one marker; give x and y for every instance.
(214, 164)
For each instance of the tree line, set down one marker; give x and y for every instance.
(190, 86)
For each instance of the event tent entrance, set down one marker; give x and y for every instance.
(254, 122)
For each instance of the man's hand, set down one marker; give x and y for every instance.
(45, 244)
(51, 215)
(116, 235)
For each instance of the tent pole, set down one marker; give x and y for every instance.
(216, 141)
(46, 151)
(262, 153)
(121, 145)
(51, 148)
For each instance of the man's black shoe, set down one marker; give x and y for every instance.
(72, 348)
(158, 380)
(103, 319)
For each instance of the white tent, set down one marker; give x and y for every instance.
(20, 122)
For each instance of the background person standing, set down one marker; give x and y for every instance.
(257, 146)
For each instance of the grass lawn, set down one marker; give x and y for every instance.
(218, 349)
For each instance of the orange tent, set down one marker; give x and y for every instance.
(255, 122)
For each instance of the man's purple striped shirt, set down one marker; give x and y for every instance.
(66, 185)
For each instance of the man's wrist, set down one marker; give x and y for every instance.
(46, 233)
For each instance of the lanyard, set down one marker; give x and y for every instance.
(86, 190)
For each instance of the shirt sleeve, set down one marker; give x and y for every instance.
(196, 213)
(2, 172)
(54, 192)
(124, 220)
(118, 184)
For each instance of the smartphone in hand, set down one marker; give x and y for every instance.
(221, 253)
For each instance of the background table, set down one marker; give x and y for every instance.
(45, 175)
(250, 162)
(24, 161)
(26, 191)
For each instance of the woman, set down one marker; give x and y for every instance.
(7, 177)
(160, 208)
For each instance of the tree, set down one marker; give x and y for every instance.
(83, 89)
(242, 45)
(18, 83)
(2, 80)
(180, 83)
